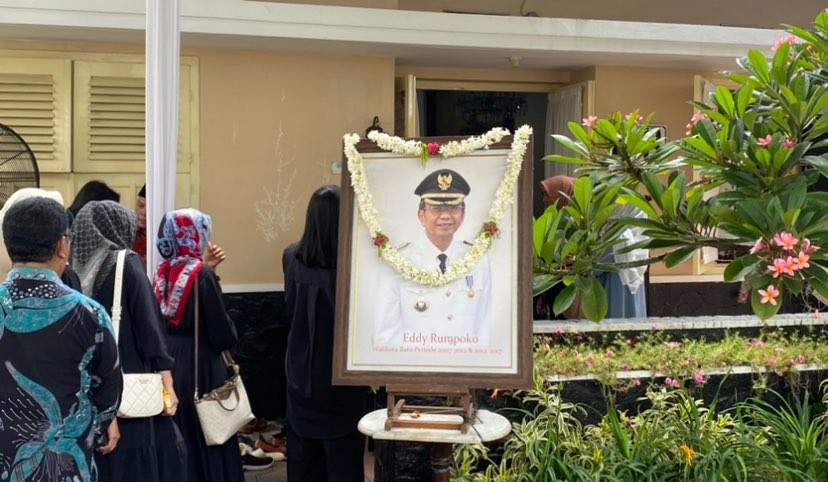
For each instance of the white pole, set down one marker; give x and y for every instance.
(162, 53)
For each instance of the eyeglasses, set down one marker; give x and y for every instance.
(444, 208)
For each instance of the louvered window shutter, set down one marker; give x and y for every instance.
(35, 102)
(109, 115)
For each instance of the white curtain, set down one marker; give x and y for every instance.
(163, 52)
(564, 106)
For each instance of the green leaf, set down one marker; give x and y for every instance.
(758, 65)
(564, 159)
(640, 203)
(724, 99)
(594, 301)
(739, 268)
(573, 146)
(707, 132)
(564, 299)
(820, 287)
(543, 282)
(583, 192)
(679, 256)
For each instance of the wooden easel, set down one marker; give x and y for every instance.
(397, 407)
(441, 453)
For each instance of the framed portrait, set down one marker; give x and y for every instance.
(431, 290)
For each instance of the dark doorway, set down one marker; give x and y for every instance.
(467, 113)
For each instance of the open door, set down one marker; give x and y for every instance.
(570, 103)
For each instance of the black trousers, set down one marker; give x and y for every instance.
(325, 460)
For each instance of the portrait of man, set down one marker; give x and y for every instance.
(457, 314)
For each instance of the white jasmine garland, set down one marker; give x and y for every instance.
(483, 241)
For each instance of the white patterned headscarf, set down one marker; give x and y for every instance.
(17, 196)
(100, 230)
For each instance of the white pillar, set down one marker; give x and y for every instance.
(162, 52)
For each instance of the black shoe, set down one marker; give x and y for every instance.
(252, 462)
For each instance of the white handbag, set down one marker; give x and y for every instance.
(225, 410)
(143, 392)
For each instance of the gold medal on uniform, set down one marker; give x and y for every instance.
(470, 286)
(421, 305)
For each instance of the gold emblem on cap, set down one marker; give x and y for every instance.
(444, 181)
(421, 305)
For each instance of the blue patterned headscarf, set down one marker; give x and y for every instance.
(182, 241)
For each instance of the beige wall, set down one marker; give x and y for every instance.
(271, 125)
(664, 93)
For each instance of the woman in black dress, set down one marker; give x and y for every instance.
(183, 277)
(323, 441)
(150, 449)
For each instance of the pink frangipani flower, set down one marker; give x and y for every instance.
(785, 240)
(638, 118)
(801, 261)
(698, 378)
(697, 116)
(807, 247)
(668, 381)
(769, 295)
(764, 141)
(589, 121)
(759, 245)
(782, 266)
(789, 143)
(790, 39)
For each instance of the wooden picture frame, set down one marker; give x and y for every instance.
(366, 283)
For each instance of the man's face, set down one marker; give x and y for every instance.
(441, 220)
(141, 212)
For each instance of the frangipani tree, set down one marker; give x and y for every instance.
(761, 139)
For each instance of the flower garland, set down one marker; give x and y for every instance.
(482, 242)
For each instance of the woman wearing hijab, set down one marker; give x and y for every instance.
(69, 277)
(555, 190)
(181, 279)
(150, 448)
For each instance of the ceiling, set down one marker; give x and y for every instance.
(411, 38)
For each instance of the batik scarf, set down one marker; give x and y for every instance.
(182, 241)
(100, 230)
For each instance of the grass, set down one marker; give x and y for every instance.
(571, 354)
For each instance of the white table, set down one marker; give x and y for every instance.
(487, 426)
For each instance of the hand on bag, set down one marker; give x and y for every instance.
(112, 436)
(214, 255)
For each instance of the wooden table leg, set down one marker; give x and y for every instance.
(441, 460)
